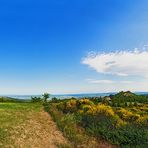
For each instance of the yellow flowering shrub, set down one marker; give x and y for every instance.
(105, 109)
(124, 114)
(98, 110)
(143, 120)
(127, 115)
(90, 109)
(120, 123)
(85, 108)
(71, 103)
(86, 102)
(80, 111)
(144, 107)
(71, 106)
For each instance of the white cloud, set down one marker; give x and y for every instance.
(104, 81)
(100, 81)
(121, 63)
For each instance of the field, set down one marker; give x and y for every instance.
(26, 125)
(119, 120)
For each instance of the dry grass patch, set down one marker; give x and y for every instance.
(28, 126)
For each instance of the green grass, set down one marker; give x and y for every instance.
(11, 116)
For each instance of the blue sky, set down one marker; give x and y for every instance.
(44, 45)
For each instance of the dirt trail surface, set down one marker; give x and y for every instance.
(38, 132)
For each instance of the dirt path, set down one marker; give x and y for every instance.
(38, 132)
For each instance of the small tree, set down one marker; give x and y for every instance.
(55, 100)
(45, 97)
(36, 99)
(126, 104)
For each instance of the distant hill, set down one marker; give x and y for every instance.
(128, 96)
(125, 94)
(9, 99)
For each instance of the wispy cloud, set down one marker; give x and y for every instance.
(120, 63)
(100, 81)
(94, 81)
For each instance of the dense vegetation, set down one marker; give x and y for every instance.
(121, 119)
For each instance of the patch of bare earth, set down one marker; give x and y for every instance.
(38, 132)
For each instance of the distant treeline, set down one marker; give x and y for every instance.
(118, 100)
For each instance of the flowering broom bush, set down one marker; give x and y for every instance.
(124, 126)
